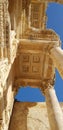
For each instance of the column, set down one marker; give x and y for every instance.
(8, 28)
(5, 45)
(56, 53)
(29, 18)
(55, 114)
(1, 30)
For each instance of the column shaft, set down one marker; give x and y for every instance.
(29, 16)
(1, 30)
(57, 57)
(54, 110)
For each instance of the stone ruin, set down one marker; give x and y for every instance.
(29, 54)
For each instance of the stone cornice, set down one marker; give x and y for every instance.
(57, 1)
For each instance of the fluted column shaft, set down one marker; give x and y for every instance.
(1, 30)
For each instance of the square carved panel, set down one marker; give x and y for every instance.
(36, 59)
(35, 69)
(25, 58)
(25, 68)
(30, 65)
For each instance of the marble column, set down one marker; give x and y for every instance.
(56, 53)
(55, 114)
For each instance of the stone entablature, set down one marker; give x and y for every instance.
(57, 1)
(37, 34)
(35, 64)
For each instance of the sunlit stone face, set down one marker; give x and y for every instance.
(35, 64)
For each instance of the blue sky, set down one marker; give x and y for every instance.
(55, 22)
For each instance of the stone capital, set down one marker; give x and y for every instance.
(47, 84)
(53, 45)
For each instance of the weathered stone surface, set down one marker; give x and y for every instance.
(25, 49)
(29, 116)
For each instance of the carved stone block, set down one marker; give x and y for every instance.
(35, 69)
(25, 68)
(36, 59)
(25, 58)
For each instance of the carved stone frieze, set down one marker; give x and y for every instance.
(57, 1)
(38, 34)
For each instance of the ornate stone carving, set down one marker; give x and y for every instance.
(47, 84)
(38, 10)
(30, 64)
(26, 60)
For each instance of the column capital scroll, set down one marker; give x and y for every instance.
(47, 84)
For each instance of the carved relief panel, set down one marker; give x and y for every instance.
(38, 14)
(35, 65)
(30, 65)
